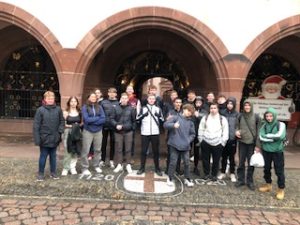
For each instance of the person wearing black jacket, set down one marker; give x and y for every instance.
(229, 150)
(48, 127)
(123, 122)
(200, 112)
(108, 106)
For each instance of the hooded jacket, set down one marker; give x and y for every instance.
(254, 123)
(181, 137)
(272, 133)
(48, 126)
(232, 117)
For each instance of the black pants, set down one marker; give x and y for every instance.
(146, 140)
(133, 143)
(278, 159)
(197, 152)
(174, 155)
(207, 151)
(105, 134)
(245, 153)
(229, 153)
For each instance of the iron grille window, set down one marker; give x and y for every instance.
(27, 74)
(21, 93)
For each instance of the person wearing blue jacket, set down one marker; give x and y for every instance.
(181, 134)
(93, 120)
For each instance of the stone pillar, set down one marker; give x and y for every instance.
(237, 69)
(70, 81)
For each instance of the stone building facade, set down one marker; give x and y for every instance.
(129, 47)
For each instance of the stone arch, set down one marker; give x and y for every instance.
(168, 19)
(271, 35)
(19, 17)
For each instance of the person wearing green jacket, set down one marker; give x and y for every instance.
(272, 135)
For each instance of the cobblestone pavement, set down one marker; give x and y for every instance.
(101, 199)
(55, 212)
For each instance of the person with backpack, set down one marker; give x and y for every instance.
(150, 117)
(247, 129)
(230, 148)
(212, 135)
(272, 135)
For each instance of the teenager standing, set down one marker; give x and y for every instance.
(48, 127)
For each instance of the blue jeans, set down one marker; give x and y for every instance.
(44, 152)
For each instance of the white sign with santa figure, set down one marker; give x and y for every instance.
(282, 106)
(271, 97)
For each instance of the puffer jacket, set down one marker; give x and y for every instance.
(125, 116)
(108, 106)
(48, 126)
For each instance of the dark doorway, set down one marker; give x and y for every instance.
(143, 66)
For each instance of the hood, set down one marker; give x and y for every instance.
(251, 110)
(232, 100)
(274, 113)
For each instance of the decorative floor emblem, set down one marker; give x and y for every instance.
(148, 182)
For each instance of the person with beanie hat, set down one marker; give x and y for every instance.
(272, 135)
(247, 129)
(229, 150)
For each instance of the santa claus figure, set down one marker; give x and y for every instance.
(271, 87)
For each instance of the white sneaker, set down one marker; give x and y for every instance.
(102, 163)
(73, 171)
(64, 172)
(170, 182)
(188, 183)
(98, 170)
(192, 159)
(111, 164)
(233, 178)
(86, 173)
(221, 176)
(128, 168)
(118, 168)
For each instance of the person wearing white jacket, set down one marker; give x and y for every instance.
(213, 134)
(150, 117)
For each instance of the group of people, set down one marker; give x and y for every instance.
(209, 129)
